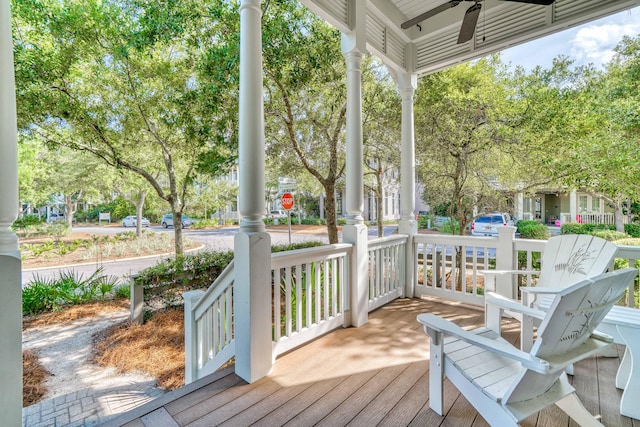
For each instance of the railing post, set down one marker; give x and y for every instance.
(356, 234)
(506, 259)
(10, 263)
(190, 341)
(136, 298)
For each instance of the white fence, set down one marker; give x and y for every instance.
(436, 258)
(208, 321)
(309, 294)
(387, 257)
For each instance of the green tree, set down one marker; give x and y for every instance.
(129, 82)
(305, 98)
(465, 138)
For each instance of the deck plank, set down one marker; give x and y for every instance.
(377, 374)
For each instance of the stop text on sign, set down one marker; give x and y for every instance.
(287, 201)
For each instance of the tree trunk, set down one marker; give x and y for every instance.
(618, 215)
(139, 204)
(330, 213)
(70, 207)
(177, 230)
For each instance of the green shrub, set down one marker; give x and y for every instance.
(531, 229)
(610, 235)
(168, 279)
(43, 294)
(122, 292)
(26, 221)
(572, 228)
(313, 221)
(449, 227)
(424, 221)
(632, 229)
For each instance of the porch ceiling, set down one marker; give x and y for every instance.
(432, 46)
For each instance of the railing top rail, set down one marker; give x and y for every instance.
(532, 245)
(383, 241)
(284, 259)
(449, 239)
(214, 292)
(630, 252)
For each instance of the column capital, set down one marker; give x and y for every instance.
(407, 85)
(250, 4)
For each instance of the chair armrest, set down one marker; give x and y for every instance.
(505, 272)
(443, 326)
(530, 293)
(491, 298)
(539, 290)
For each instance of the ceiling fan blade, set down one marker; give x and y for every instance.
(469, 23)
(413, 21)
(540, 2)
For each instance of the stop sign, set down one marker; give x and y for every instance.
(287, 201)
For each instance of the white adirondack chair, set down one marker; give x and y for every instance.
(566, 260)
(506, 384)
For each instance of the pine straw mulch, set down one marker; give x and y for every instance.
(156, 347)
(33, 377)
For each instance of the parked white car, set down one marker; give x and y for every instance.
(487, 225)
(131, 221)
(278, 214)
(167, 221)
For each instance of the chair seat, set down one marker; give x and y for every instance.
(488, 371)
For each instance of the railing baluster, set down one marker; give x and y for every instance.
(308, 292)
(277, 301)
(288, 308)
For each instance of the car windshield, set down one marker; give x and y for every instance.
(484, 219)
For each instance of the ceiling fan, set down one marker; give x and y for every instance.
(470, 17)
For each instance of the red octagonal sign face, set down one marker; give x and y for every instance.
(287, 201)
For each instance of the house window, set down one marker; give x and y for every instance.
(595, 204)
(582, 203)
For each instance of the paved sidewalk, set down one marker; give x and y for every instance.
(81, 393)
(88, 406)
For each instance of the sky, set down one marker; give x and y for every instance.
(589, 43)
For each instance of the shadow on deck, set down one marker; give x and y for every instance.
(373, 375)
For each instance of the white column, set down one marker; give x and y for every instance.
(252, 245)
(355, 232)
(10, 264)
(407, 84)
(355, 151)
(519, 202)
(573, 206)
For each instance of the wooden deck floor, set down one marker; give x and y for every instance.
(373, 375)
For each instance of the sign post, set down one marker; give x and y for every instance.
(287, 203)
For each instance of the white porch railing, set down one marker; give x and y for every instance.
(437, 254)
(434, 266)
(591, 218)
(387, 257)
(310, 287)
(310, 294)
(208, 321)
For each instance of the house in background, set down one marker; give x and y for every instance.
(553, 207)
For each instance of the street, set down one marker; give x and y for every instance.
(212, 239)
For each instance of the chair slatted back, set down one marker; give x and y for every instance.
(573, 316)
(570, 258)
